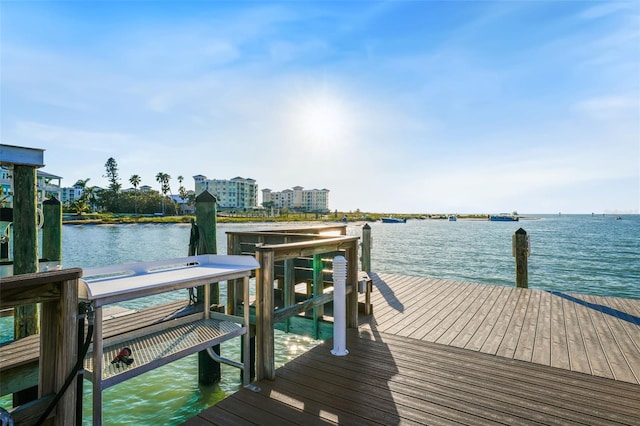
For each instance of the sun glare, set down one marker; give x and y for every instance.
(320, 119)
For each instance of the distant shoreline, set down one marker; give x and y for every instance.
(108, 219)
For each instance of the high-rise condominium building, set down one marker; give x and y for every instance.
(237, 193)
(298, 198)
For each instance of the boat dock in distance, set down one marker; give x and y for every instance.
(439, 352)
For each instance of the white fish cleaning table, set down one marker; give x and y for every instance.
(162, 343)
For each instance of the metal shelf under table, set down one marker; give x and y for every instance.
(160, 344)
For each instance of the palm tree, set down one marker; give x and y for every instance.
(163, 179)
(82, 203)
(184, 194)
(135, 181)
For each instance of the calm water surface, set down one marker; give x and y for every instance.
(574, 253)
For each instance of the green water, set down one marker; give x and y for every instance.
(570, 253)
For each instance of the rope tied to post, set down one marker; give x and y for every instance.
(197, 245)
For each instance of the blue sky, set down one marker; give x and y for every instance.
(396, 106)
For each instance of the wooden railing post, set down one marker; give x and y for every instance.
(265, 361)
(521, 252)
(233, 288)
(318, 289)
(58, 347)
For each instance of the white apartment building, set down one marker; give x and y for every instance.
(70, 194)
(47, 185)
(298, 198)
(237, 193)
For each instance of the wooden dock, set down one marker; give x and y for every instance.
(444, 352)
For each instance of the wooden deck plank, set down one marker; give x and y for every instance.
(542, 344)
(388, 302)
(438, 311)
(365, 375)
(487, 324)
(535, 375)
(526, 342)
(465, 307)
(401, 377)
(491, 295)
(575, 341)
(512, 332)
(553, 334)
(445, 363)
(595, 354)
(416, 315)
(405, 318)
(390, 379)
(623, 359)
(559, 346)
(497, 334)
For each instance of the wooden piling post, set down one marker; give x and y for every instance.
(366, 248)
(521, 252)
(234, 289)
(265, 350)
(206, 209)
(26, 321)
(289, 286)
(52, 229)
(25, 243)
(25, 229)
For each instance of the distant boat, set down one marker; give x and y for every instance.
(504, 217)
(453, 218)
(393, 220)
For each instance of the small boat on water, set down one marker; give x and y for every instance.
(393, 220)
(453, 218)
(504, 217)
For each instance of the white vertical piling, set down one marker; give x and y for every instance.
(339, 307)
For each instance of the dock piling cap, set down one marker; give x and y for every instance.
(521, 231)
(11, 155)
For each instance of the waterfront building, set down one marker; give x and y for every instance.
(297, 198)
(236, 193)
(47, 185)
(70, 194)
(185, 205)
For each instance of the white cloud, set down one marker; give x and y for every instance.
(71, 138)
(610, 107)
(605, 9)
